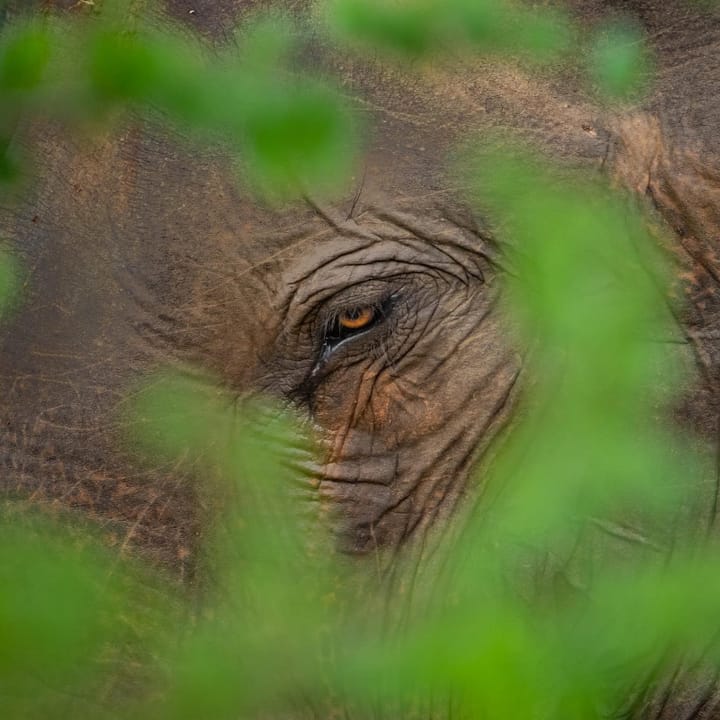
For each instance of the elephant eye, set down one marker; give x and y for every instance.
(347, 323)
(357, 318)
(353, 321)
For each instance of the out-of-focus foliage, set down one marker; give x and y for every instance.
(431, 26)
(258, 645)
(619, 62)
(584, 292)
(72, 621)
(618, 59)
(284, 626)
(291, 133)
(592, 355)
(9, 282)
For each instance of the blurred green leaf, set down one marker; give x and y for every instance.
(298, 137)
(122, 67)
(24, 56)
(9, 281)
(420, 27)
(620, 64)
(68, 617)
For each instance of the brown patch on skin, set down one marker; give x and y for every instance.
(638, 149)
(390, 399)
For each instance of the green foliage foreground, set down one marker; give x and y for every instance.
(285, 626)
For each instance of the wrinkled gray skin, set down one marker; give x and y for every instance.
(142, 253)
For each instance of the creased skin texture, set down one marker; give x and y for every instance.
(142, 251)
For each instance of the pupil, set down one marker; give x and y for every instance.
(355, 314)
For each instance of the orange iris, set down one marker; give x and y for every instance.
(356, 318)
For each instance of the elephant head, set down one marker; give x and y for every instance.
(377, 314)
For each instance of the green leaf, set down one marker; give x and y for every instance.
(620, 63)
(24, 57)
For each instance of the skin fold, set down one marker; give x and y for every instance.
(144, 251)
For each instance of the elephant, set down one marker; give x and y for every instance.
(376, 316)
